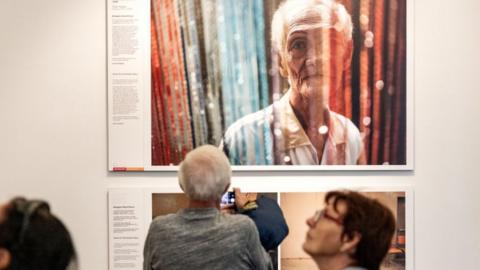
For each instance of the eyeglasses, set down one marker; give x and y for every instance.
(27, 208)
(323, 214)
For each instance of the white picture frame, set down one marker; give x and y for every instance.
(129, 96)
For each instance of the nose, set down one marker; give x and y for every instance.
(318, 49)
(311, 59)
(311, 222)
(312, 65)
(314, 58)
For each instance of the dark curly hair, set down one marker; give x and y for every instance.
(35, 238)
(372, 220)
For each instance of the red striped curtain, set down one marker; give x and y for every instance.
(374, 93)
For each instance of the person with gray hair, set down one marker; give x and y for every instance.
(312, 48)
(200, 236)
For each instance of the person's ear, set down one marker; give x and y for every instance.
(5, 258)
(347, 56)
(349, 244)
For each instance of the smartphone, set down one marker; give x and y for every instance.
(228, 198)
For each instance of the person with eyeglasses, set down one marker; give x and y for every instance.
(31, 237)
(352, 232)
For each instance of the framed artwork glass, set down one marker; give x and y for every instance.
(131, 210)
(278, 85)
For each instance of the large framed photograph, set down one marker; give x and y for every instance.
(278, 85)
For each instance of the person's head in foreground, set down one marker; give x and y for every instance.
(204, 176)
(351, 231)
(31, 237)
(313, 42)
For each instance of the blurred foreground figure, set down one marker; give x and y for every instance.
(312, 48)
(200, 236)
(32, 238)
(352, 232)
(267, 215)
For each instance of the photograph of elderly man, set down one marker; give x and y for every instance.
(313, 41)
(272, 82)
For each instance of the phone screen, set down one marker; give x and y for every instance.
(228, 198)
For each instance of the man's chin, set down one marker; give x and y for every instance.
(313, 94)
(314, 80)
(312, 85)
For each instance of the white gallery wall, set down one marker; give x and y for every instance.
(53, 127)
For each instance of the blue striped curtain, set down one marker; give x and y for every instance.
(225, 63)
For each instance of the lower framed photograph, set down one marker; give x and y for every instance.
(309, 240)
(313, 219)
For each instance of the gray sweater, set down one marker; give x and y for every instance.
(204, 239)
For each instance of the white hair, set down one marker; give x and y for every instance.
(205, 173)
(333, 14)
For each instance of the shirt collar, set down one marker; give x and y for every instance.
(292, 130)
(198, 213)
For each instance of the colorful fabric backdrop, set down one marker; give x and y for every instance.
(210, 64)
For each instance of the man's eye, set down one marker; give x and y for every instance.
(298, 48)
(299, 45)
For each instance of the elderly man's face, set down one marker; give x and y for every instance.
(315, 55)
(324, 236)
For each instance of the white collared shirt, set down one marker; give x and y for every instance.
(275, 136)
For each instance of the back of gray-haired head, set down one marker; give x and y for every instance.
(205, 173)
(334, 15)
